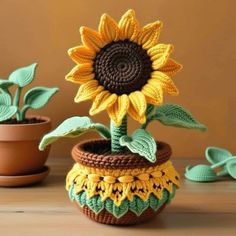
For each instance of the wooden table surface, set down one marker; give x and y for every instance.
(45, 209)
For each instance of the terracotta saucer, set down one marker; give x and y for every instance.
(23, 180)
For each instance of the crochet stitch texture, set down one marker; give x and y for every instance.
(119, 184)
(122, 67)
(137, 205)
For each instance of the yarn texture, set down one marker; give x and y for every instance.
(137, 205)
(122, 67)
(117, 133)
(119, 184)
(223, 164)
(125, 71)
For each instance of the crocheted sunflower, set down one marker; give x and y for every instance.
(122, 67)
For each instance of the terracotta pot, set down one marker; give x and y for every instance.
(94, 158)
(19, 153)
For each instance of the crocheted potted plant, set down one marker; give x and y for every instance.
(21, 162)
(122, 179)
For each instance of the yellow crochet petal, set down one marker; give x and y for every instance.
(129, 26)
(153, 94)
(163, 80)
(81, 73)
(119, 109)
(160, 54)
(137, 99)
(102, 101)
(91, 38)
(108, 28)
(88, 91)
(138, 106)
(171, 67)
(81, 54)
(149, 35)
(133, 113)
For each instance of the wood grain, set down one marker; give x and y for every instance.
(44, 209)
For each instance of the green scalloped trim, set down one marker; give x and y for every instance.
(137, 205)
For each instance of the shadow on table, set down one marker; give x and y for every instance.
(182, 217)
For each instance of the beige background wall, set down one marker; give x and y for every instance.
(203, 32)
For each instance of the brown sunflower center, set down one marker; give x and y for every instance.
(122, 67)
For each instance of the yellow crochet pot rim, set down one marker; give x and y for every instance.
(121, 184)
(135, 103)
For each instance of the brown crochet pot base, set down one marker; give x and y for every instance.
(129, 218)
(96, 153)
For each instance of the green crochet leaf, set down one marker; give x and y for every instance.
(95, 204)
(71, 193)
(81, 198)
(168, 195)
(153, 202)
(109, 205)
(224, 164)
(5, 99)
(73, 128)
(165, 198)
(38, 97)
(6, 112)
(23, 76)
(138, 206)
(200, 173)
(141, 142)
(215, 155)
(156, 203)
(117, 211)
(231, 168)
(175, 115)
(5, 84)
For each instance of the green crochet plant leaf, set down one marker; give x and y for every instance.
(71, 193)
(5, 84)
(5, 99)
(95, 204)
(6, 112)
(169, 196)
(231, 168)
(23, 76)
(72, 128)
(38, 97)
(35, 98)
(174, 115)
(153, 202)
(117, 211)
(215, 155)
(81, 198)
(138, 206)
(200, 173)
(141, 142)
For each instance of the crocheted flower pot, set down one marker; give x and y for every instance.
(125, 71)
(120, 189)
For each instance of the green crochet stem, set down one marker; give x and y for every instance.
(116, 134)
(16, 101)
